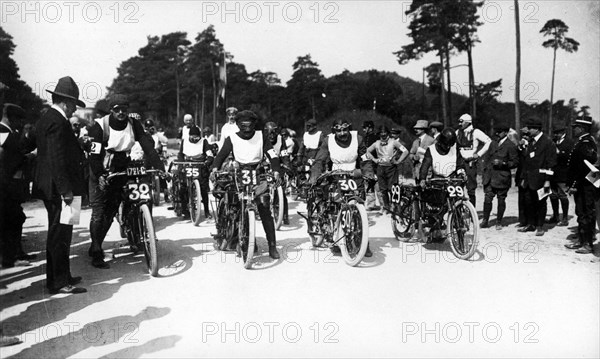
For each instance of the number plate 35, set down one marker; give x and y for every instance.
(456, 191)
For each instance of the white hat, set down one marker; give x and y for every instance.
(187, 117)
(466, 117)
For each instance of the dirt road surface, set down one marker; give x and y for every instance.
(520, 296)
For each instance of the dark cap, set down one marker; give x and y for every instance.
(312, 122)
(13, 111)
(118, 100)
(194, 131)
(583, 121)
(102, 107)
(437, 124)
(246, 115)
(534, 123)
(559, 127)
(501, 127)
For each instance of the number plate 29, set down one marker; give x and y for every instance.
(456, 191)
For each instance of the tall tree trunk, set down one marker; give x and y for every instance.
(177, 90)
(196, 119)
(552, 91)
(214, 88)
(472, 100)
(443, 91)
(447, 53)
(202, 110)
(518, 71)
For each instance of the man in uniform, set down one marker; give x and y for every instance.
(498, 161)
(112, 136)
(469, 140)
(583, 190)
(248, 149)
(558, 184)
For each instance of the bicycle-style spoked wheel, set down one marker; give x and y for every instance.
(195, 202)
(404, 219)
(352, 231)
(247, 237)
(314, 232)
(463, 228)
(156, 190)
(276, 197)
(148, 238)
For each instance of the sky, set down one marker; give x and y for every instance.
(88, 40)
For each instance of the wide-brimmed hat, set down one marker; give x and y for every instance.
(66, 87)
(421, 124)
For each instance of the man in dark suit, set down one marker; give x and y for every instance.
(584, 191)
(12, 187)
(535, 175)
(564, 146)
(57, 179)
(498, 161)
(522, 145)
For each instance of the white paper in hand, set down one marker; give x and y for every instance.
(594, 175)
(543, 192)
(70, 214)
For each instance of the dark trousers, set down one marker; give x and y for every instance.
(471, 171)
(535, 209)
(386, 176)
(58, 247)
(585, 210)
(105, 205)
(490, 193)
(11, 228)
(559, 194)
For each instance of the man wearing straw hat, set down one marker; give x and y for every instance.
(419, 146)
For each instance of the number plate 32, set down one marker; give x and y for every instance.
(456, 191)
(138, 191)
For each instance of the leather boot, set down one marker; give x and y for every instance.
(368, 253)
(273, 253)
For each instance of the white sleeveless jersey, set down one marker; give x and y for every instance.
(278, 145)
(192, 149)
(248, 151)
(119, 141)
(443, 165)
(343, 158)
(311, 142)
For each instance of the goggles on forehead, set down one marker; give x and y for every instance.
(342, 127)
(118, 109)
